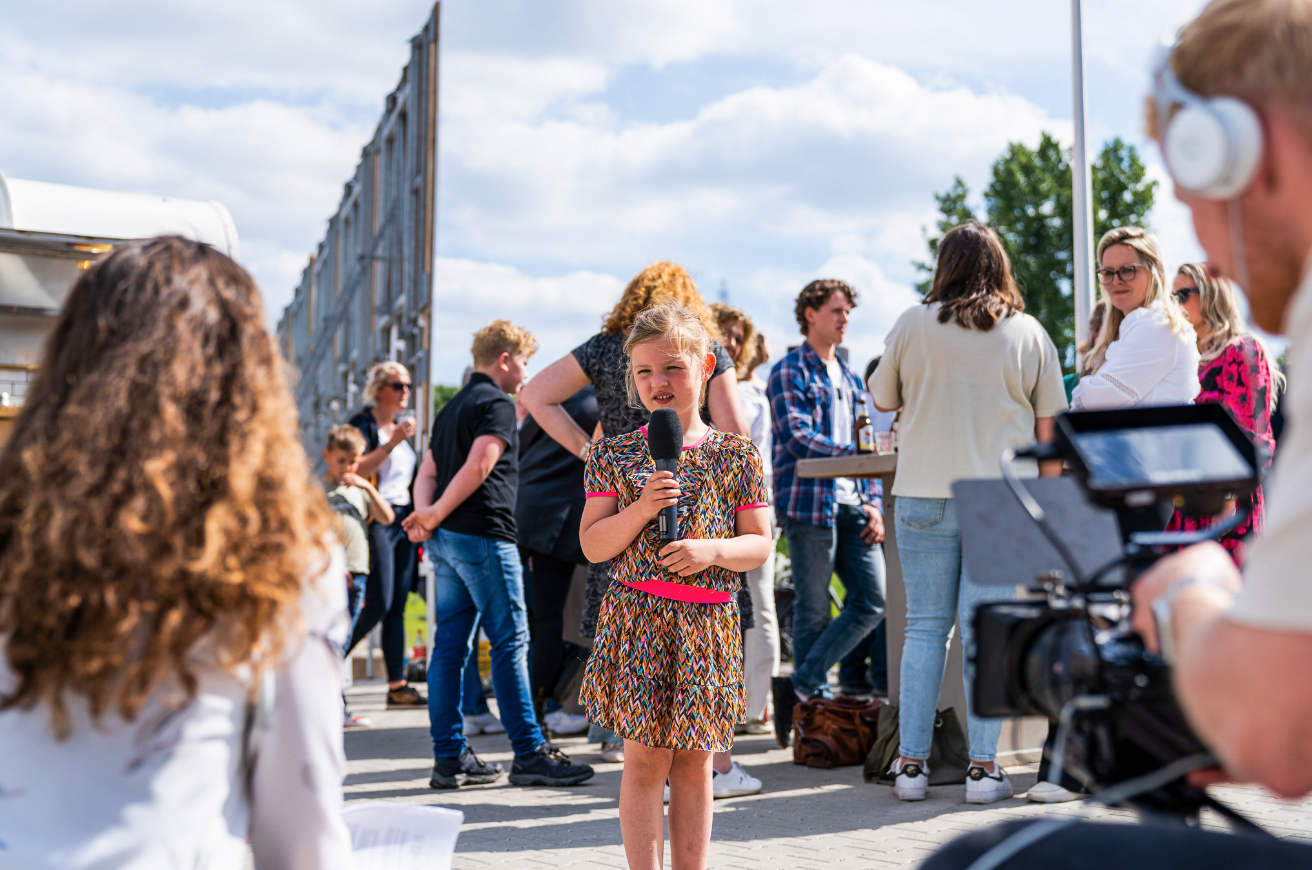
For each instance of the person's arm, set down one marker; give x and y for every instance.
(747, 549)
(483, 456)
(379, 510)
(1245, 690)
(544, 396)
(606, 531)
(371, 461)
(426, 481)
(790, 404)
(1043, 431)
(725, 405)
(1147, 353)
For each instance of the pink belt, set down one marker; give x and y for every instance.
(681, 591)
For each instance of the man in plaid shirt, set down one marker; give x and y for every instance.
(832, 525)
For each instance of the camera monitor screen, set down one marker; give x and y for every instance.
(1157, 456)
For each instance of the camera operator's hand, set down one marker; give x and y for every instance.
(873, 533)
(1208, 560)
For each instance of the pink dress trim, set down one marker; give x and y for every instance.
(602, 495)
(748, 507)
(681, 591)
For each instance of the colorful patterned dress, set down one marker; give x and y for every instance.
(663, 671)
(1240, 379)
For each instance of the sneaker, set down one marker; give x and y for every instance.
(563, 724)
(354, 721)
(482, 723)
(548, 766)
(753, 726)
(1050, 793)
(910, 780)
(465, 770)
(736, 783)
(785, 698)
(405, 696)
(983, 787)
(857, 691)
(612, 752)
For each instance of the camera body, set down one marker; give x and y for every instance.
(1064, 649)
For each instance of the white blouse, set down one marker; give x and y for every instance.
(185, 787)
(756, 408)
(1148, 364)
(395, 474)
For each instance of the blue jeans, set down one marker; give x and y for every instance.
(817, 553)
(938, 594)
(355, 598)
(474, 702)
(479, 581)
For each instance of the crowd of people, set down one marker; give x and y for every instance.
(177, 591)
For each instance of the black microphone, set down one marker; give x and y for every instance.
(665, 440)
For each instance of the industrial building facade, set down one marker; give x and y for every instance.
(366, 294)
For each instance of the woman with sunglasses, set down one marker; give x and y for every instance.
(1236, 372)
(392, 557)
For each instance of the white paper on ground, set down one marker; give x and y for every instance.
(396, 836)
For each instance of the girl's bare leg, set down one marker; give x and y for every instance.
(642, 812)
(690, 809)
(723, 761)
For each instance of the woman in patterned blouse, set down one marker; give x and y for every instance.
(1235, 372)
(665, 672)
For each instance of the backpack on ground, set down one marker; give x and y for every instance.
(833, 732)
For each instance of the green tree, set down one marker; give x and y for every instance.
(1028, 203)
(442, 394)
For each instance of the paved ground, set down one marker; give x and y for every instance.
(804, 819)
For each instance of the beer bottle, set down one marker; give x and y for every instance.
(865, 430)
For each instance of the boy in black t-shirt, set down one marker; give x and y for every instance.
(465, 501)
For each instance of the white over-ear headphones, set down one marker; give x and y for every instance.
(1211, 145)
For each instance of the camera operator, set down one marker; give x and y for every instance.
(1241, 647)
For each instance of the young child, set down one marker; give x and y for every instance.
(666, 672)
(356, 501)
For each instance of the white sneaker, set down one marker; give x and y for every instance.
(563, 724)
(1050, 793)
(612, 752)
(983, 787)
(753, 726)
(910, 781)
(354, 721)
(736, 783)
(483, 723)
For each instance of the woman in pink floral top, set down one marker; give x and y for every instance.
(1234, 371)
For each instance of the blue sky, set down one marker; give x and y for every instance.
(760, 143)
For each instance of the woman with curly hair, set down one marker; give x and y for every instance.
(172, 599)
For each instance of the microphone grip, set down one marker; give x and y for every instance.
(668, 520)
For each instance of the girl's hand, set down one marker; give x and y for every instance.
(660, 491)
(686, 558)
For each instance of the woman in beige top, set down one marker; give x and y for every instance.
(972, 375)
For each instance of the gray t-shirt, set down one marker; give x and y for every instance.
(354, 537)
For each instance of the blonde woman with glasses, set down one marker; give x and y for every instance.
(1234, 371)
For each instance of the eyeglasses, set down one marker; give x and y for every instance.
(399, 386)
(1126, 273)
(1182, 295)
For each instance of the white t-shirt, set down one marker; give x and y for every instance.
(166, 790)
(1277, 590)
(756, 407)
(1148, 364)
(395, 474)
(844, 431)
(966, 395)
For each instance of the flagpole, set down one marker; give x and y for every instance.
(1082, 196)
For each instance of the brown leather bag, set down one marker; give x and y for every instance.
(834, 733)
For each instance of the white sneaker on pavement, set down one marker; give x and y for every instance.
(1050, 793)
(563, 724)
(483, 723)
(354, 721)
(910, 781)
(736, 783)
(612, 752)
(983, 787)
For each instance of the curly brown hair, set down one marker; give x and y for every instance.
(154, 493)
(658, 284)
(816, 294)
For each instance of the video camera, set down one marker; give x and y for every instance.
(1064, 648)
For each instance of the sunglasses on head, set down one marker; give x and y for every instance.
(399, 386)
(1182, 295)
(1126, 273)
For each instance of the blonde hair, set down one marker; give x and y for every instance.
(1219, 305)
(725, 315)
(1247, 49)
(760, 354)
(380, 375)
(658, 284)
(1144, 244)
(684, 330)
(347, 439)
(498, 337)
(155, 498)
(1096, 320)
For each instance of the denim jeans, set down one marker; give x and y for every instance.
(938, 594)
(474, 701)
(355, 598)
(817, 553)
(479, 581)
(392, 560)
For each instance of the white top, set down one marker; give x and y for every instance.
(1148, 364)
(395, 474)
(167, 789)
(1277, 590)
(966, 395)
(756, 407)
(844, 428)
